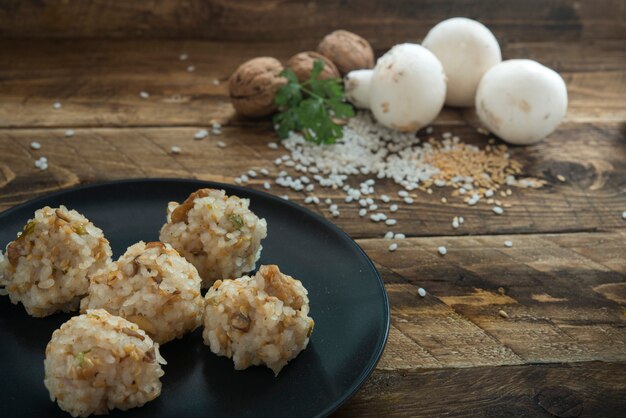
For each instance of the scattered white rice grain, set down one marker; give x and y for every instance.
(408, 200)
(175, 150)
(461, 219)
(266, 186)
(391, 222)
(389, 235)
(144, 94)
(393, 208)
(57, 105)
(385, 198)
(374, 217)
(508, 243)
(393, 247)
(272, 145)
(462, 190)
(497, 210)
(244, 178)
(489, 193)
(403, 193)
(308, 200)
(362, 212)
(278, 161)
(221, 144)
(216, 82)
(624, 215)
(69, 133)
(201, 134)
(455, 223)
(191, 68)
(264, 171)
(238, 180)
(399, 236)
(183, 56)
(309, 188)
(328, 201)
(442, 250)
(252, 173)
(429, 130)
(35, 145)
(373, 207)
(285, 197)
(421, 292)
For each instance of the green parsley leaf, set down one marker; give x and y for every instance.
(311, 107)
(236, 220)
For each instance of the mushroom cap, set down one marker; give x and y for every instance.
(466, 49)
(408, 88)
(347, 50)
(357, 87)
(254, 84)
(521, 101)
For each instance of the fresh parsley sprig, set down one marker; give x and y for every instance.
(311, 107)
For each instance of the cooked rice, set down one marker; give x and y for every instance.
(97, 362)
(258, 320)
(47, 268)
(217, 233)
(152, 286)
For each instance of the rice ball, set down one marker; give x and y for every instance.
(258, 320)
(152, 286)
(217, 233)
(97, 362)
(47, 268)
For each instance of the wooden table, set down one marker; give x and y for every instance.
(562, 348)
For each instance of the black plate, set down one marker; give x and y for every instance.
(348, 302)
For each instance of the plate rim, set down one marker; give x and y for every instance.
(368, 370)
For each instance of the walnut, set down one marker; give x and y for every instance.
(253, 86)
(347, 50)
(302, 65)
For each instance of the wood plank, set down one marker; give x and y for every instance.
(270, 20)
(563, 297)
(586, 390)
(98, 82)
(589, 156)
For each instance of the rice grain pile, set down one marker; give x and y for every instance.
(258, 320)
(152, 286)
(47, 268)
(218, 234)
(97, 362)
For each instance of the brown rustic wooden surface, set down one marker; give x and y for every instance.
(563, 283)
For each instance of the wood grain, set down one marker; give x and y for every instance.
(272, 20)
(591, 157)
(535, 330)
(98, 82)
(562, 295)
(508, 391)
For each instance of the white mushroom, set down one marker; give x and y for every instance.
(466, 49)
(408, 88)
(357, 87)
(521, 101)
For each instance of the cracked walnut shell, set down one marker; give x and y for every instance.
(253, 86)
(347, 50)
(302, 65)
